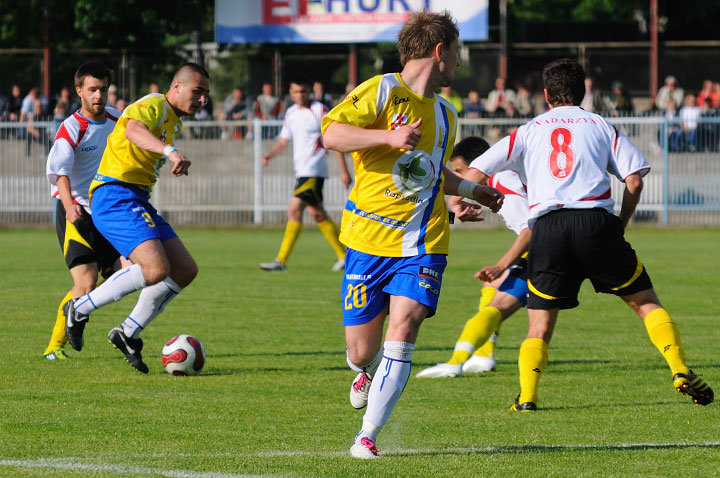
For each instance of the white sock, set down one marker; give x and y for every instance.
(120, 284)
(370, 368)
(387, 386)
(151, 302)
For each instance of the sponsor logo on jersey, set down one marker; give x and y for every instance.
(397, 100)
(89, 148)
(413, 172)
(429, 287)
(429, 273)
(362, 277)
(398, 119)
(402, 197)
(355, 100)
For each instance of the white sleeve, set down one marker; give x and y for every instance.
(506, 154)
(286, 132)
(627, 159)
(60, 160)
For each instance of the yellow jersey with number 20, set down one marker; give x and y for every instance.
(397, 207)
(125, 162)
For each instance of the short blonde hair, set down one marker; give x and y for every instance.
(423, 31)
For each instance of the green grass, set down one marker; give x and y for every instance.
(272, 399)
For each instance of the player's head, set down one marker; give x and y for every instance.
(465, 151)
(564, 82)
(91, 84)
(300, 90)
(431, 35)
(189, 88)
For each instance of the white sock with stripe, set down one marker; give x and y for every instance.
(387, 386)
(120, 284)
(370, 368)
(151, 302)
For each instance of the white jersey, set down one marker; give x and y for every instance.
(564, 157)
(514, 211)
(302, 126)
(77, 151)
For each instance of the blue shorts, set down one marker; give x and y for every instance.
(123, 215)
(370, 281)
(515, 283)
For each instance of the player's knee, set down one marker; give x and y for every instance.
(155, 273)
(319, 215)
(361, 354)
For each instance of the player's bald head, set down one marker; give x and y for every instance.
(186, 73)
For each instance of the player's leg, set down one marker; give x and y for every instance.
(292, 228)
(331, 232)
(364, 353)
(533, 357)
(665, 335)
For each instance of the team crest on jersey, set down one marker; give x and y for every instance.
(398, 119)
(414, 171)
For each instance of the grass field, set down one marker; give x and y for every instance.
(272, 399)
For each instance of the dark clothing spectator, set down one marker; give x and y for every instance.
(14, 102)
(619, 100)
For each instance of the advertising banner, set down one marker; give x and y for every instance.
(336, 21)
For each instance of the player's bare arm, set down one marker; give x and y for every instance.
(457, 187)
(344, 172)
(631, 197)
(519, 246)
(73, 211)
(138, 134)
(347, 138)
(277, 148)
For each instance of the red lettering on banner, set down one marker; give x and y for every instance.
(281, 11)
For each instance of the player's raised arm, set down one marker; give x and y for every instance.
(458, 187)
(347, 138)
(138, 133)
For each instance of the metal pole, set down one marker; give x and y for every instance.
(46, 50)
(352, 65)
(257, 172)
(503, 61)
(653, 49)
(664, 127)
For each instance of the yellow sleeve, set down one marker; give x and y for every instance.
(149, 110)
(359, 108)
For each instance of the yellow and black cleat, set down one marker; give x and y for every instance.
(693, 386)
(523, 407)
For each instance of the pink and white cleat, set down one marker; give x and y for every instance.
(366, 449)
(359, 390)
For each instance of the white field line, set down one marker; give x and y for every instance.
(85, 464)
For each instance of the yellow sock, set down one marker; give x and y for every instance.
(58, 337)
(292, 232)
(486, 295)
(488, 348)
(532, 361)
(476, 332)
(665, 336)
(332, 234)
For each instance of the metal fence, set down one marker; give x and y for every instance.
(227, 184)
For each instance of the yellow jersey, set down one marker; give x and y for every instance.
(397, 207)
(125, 162)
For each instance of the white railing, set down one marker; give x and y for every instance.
(228, 185)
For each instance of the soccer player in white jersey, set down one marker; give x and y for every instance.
(505, 288)
(302, 127)
(564, 157)
(71, 165)
(395, 223)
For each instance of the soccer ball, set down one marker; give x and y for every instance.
(183, 355)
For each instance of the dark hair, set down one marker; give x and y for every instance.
(192, 67)
(470, 148)
(300, 80)
(94, 69)
(423, 31)
(564, 81)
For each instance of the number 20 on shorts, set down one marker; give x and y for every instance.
(356, 297)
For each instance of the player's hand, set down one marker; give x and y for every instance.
(265, 160)
(467, 212)
(74, 214)
(406, 136)
(346, 179)
(180, 163)
(490, 197)
(489, 273)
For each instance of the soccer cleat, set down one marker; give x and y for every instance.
(478, 364)
(129, 347)
(339, 265)
(274, 265)
(366, 449)
(359, 390)
(57, 354)
(74, 324)
(694, 386)
(523, 407)
(441, 370)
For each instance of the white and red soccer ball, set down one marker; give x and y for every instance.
(183, 355)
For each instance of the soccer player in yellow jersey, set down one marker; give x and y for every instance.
(137, 148)
(395, 223)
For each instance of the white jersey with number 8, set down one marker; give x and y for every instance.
(564, 157)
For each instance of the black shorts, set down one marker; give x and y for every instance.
(309, 190)
(571, 245)
(81, 243)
